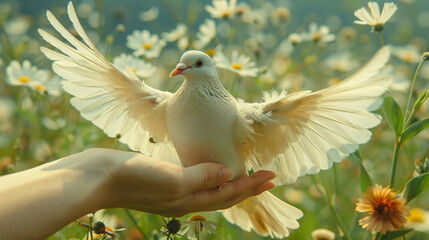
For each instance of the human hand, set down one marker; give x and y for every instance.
(156, 186)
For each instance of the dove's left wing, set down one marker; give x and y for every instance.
(113, 101)
(304, 132)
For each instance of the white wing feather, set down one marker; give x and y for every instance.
(104, 95)
(304, 132)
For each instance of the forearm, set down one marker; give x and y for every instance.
(44, 199)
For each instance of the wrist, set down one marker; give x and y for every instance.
(94, 166)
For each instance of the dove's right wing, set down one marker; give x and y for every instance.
(106, 96)
(305, 132)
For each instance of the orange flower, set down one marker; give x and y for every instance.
(386, 211)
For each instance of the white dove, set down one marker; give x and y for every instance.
(292, 135)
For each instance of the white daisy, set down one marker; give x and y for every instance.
(408, 53)
(295, 39)
(418, 219)
(145, 44)
(400, 83)
(255, 18)
(149, 15)
(95, 19)
(222, 8)
(280, 15)
(341, 62)
(179, 35)
(206, 34)
(103, 225)
(52, 87)
(53, 124)
(318, 34)
(195, 225)
(322, 234)
(26, 75)
(241, 8)
(17, 26)
(373, 17)
(238, 64)
(84, 9)
(125, 62)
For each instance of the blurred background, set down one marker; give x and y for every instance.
(278, 38)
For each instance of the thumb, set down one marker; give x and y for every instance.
(205, 175)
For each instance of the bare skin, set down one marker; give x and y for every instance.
(44, 199)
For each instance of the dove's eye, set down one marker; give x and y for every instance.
(199, 63)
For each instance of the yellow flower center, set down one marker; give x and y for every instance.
(334, 81)
(197, 218)
(237, 66)
(24, 79)
(147, 46)
(416, 215)
(211, 52)
(40, 88)
(339, 67)
(225, 14)
(317, 36)
(378, 27)
(133, 69)
(408, 57)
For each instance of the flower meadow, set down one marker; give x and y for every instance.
(378, 192)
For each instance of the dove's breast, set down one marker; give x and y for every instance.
(201, 128)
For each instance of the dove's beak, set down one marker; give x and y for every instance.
(179, 69)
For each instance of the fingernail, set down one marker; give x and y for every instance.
(221, 186)
(225, 175)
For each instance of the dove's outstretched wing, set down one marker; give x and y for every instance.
(104, 95)
(307, 131)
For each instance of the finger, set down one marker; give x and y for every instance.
(233, 192)
(204, 176)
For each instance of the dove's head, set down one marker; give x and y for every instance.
(195, 65)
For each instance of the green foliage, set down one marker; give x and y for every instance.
(395, 234)
(416, 186)
(394, 116)
(423, 97)
(304, 67)
(365, 179)
(414, 129)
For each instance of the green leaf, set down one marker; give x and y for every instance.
(365, 179)
(421, 100)
(416, 186)
(394, 115)
(395, 234)
(414, 129)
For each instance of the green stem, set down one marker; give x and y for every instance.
(334, 212)
(173, 12)
(135, 223)
(381, 39)
(395, 162)
(8, 47)
(377, 236)
(232, 84)
(99, 4)
(90, 226)
(19, 133)
(408, 118)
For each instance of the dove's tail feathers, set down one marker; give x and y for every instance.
(266, 214)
